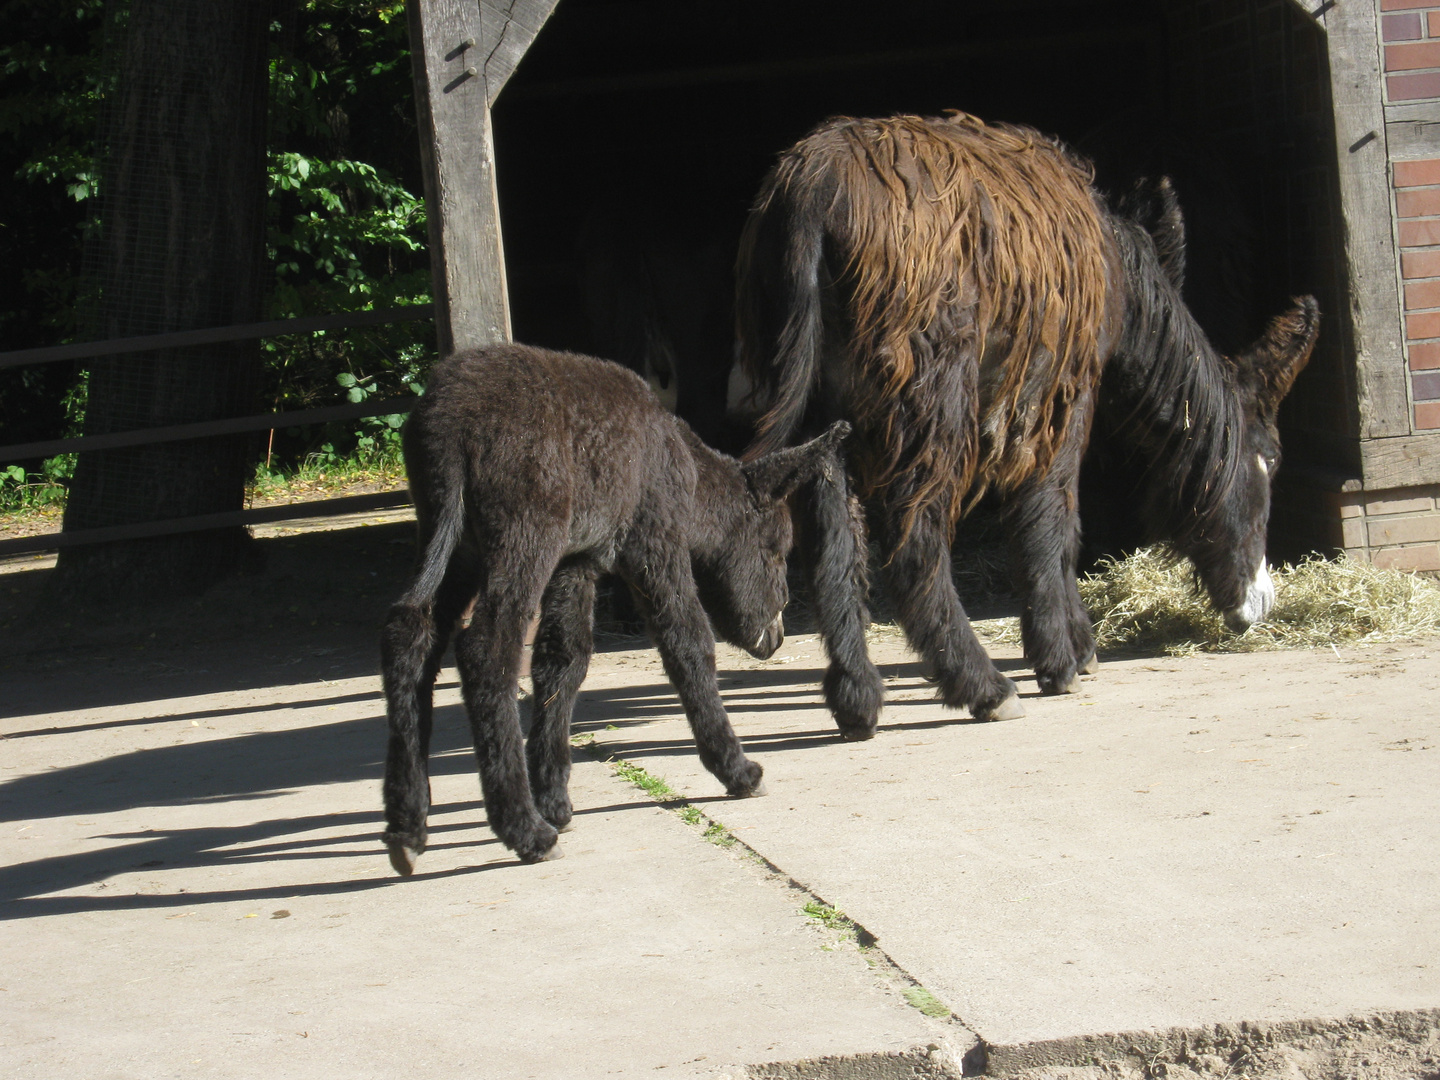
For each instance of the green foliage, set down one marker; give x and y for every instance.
(346, 232)
(21, 490)
(346, 229)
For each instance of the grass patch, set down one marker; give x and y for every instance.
(1149, 601)
(718, 835)
(662, 792)
(653, 786)
(920, 998)
(832, 918)
(327, 477)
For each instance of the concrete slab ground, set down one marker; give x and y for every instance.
(193, 886)
(1212, 866)
(1186, 842)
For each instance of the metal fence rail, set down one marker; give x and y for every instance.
(203, 429)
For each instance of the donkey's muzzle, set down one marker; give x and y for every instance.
(770, 639)
(1259, 599)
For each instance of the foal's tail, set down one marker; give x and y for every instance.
(449, 524)
(778, 284)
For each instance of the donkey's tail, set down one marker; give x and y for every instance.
(787, 228)
(449, 525)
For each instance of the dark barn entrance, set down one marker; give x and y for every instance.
(645, 122)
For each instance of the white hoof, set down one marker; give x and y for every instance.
(1009, 709)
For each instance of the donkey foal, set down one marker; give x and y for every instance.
(532, 473)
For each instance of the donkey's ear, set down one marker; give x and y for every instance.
(1272, 363)
(775, 475)
(1153, 205)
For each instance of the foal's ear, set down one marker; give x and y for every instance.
(1153, 205)
(1272, 363)
(775, 475)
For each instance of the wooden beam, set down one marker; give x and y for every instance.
(462, 53)
(71, 538)
(1404, 461)
(1361, 149)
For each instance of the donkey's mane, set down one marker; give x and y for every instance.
(1183, 408)
(953, 233)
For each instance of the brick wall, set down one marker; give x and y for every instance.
(1410, 30)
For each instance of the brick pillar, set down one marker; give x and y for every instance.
(1410, 30)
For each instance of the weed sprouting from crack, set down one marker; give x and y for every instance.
(647, 782)
(920, 998)
(831, 918)
(669, 798)
(718, 835)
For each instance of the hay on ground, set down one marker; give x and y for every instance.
(1150, 601)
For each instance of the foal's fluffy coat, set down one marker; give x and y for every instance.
(532, 473)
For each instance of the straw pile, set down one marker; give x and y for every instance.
(1149, 601)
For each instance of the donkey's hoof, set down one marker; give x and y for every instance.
(1009, 709)
(550, 854)
(859, 733)
(755, 792)
(1055, 686)
(403, 859)
(1091, 666)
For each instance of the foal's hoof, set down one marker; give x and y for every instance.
(1091, 666)
(403, 859)
(755, 792)
(857, 734)
(550, 854)
(1008, 709)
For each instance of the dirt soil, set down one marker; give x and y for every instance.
(191, 884)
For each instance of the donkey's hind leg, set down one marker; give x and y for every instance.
(488, 653)
(929, 610)
(411, 646)
(563, 645)
(832, 538)
(1056, 628)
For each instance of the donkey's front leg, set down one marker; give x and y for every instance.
(929, 610)
(563, 645)
(1054, 625)
(665, 592)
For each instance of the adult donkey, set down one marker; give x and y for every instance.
(956, 291)
(532, 473)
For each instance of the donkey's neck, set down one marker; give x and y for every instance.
(1174, 396)
(721, 495)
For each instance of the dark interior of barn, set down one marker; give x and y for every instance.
(635, 133)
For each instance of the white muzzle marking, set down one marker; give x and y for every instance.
(775, 631)
(1259, 599)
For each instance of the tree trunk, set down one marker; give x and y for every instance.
(182, 247)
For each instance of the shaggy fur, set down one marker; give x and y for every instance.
(533, 472)
(957, 290)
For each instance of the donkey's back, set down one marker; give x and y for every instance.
(545, 434)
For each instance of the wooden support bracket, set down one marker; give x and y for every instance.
(463, 52)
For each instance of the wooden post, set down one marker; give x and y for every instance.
(463, 51)
(1360, 136)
